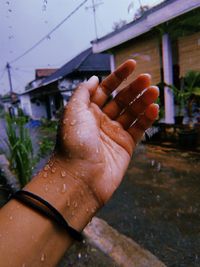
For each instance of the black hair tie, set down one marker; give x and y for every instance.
(51, 212)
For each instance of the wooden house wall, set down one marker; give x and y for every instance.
(189, 53)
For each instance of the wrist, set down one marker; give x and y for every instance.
(71, 196)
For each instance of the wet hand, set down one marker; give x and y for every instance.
(96, 139)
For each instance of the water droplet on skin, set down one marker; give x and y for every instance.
(45, 175)
(24, 265)
(63, 173)
(75, 204)
(53, 169)
(65, 136)
(46, 189)
(11, 217)
(51, 163)
(43, 257)
(73, 122)
(68, 202)
(46, 167)
(64, 188)
(87, 210)
(72, 213)
(65, 121)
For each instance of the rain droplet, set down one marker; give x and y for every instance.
(79, 255)
(11, 217)
(64, 188)
(68, 202)
(43, 257)
(75, 204)
(46, 167)
(64, 137)
(51, 163)
(87, 210)
(65, 121)
(158, 166)
(45, 175)
(63, 173)
(46, 189)
(73, 122)
(53, 169)
(93, 210)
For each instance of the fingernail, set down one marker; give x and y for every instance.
(156, 106)
(93, 79)
(147, 74)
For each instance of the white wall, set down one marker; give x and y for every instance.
(38, 110)
(26, 104)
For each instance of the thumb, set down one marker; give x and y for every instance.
(85, 90)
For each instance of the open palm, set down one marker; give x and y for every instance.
(96, 140)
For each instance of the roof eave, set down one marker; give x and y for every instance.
(145, 24)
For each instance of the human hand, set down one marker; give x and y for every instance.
(96, 140)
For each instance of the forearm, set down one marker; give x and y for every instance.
(28, 237)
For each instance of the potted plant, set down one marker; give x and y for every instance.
(185, 98)
(186, 94)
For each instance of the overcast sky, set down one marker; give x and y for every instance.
(23, 23)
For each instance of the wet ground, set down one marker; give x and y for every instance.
(158, 204)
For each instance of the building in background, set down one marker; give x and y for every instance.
(53, 92)
(165, 42)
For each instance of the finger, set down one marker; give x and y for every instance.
(138, 107)
(126, 96)
(144, 122)
(83, 93)
(112, 82)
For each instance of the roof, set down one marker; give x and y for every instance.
(153, 17)
(84, 62)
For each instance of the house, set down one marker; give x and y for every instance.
(165, 42)
(54, 91)
(40, 74)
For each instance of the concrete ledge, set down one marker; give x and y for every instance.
(123, 250)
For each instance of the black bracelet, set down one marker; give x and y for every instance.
(52, 213)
